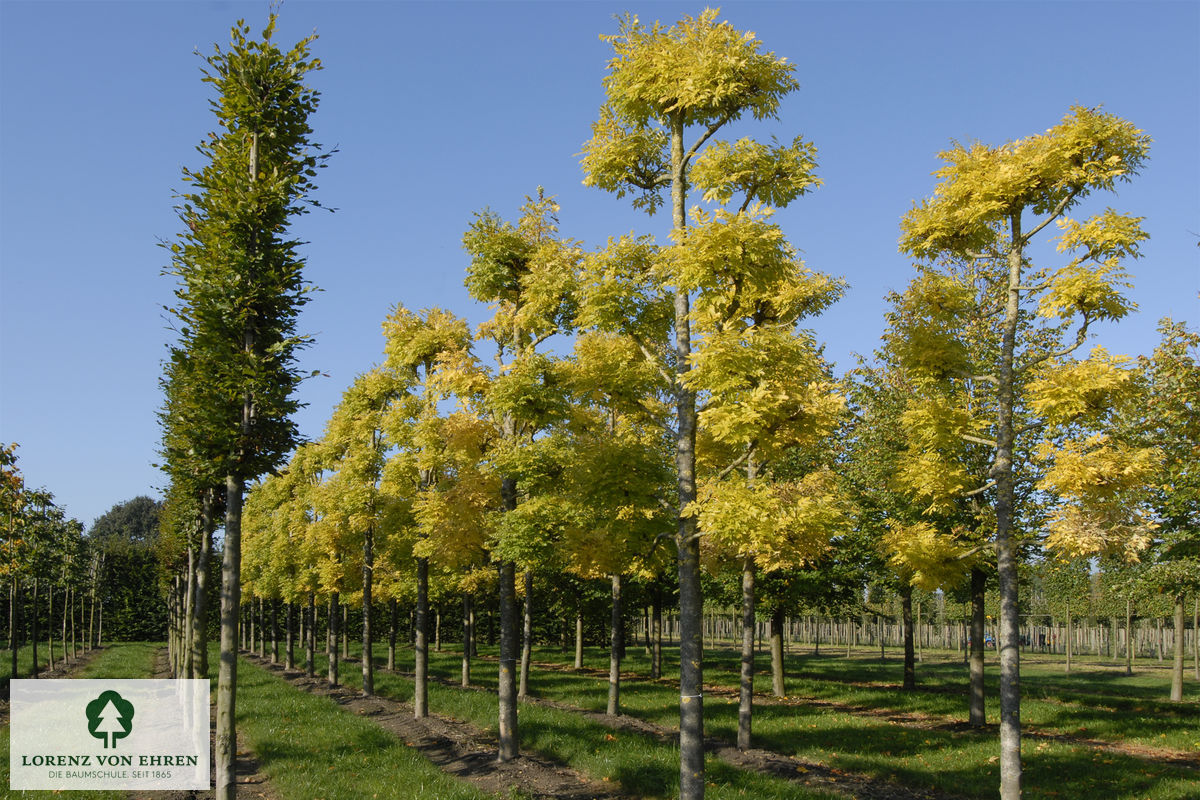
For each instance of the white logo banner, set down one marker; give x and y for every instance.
(109, 734)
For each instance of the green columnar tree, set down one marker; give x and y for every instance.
(669, 91)
(241, 289)
(191, 450)
(526, 272)
(987, 211)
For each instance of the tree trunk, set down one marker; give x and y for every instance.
(310, 648)
(187, 618)
(746, 683)
(778, 679)
(1128, 636)
(918, 630)
(1177, 665)
(1006, 549)
(225, 738)
(33, 629)
(691, 599)
(468, 635)
(50, 626)
(274, 603)
(526, 636)
(579, 636)
(368, 642)
(289, 656)
(507, 687)
(66, 613)
(344, 632)
(262, 627)
(1196, 638)
(200, 608)
(421, 648)
(332, 637)
(393, 621)
(13, 646)
(975, 704)
(656, 624)
(614, 651)
(93, 634)
(910, 667)
(1069, 643)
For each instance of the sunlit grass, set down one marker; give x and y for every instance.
(120, 660)
(841, 736)
(310, 748)
(639, 764)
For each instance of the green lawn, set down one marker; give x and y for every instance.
(638, 764)
(121, 660)
(1088, 703)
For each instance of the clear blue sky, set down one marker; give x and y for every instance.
(442, 109)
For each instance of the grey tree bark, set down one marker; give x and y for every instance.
(526, 636)
(975, 703)
(225, 737)
(778, 680)
(614, 651)
(746, 682)
(421, 647)
(910, 668)
(1177, 663)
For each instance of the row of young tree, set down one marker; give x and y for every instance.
(693, 408)
(69, 588)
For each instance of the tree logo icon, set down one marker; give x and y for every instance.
(110, 717)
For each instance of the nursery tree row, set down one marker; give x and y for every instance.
(658, 409)
(71, 591)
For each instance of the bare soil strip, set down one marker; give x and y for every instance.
(910, 719)
(798, 770)
(251, 783)
(62, 669)
(458, 748)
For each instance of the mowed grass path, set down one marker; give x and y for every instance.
(121, 660)
(639, 764)
(311, 748)
(848, 730)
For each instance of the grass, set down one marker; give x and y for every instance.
(1088, 703)
(25, 658)
(638, 764)
(120, 660)
(311, 749)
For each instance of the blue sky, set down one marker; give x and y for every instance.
(442, 109)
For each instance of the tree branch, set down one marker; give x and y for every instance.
(992, 379)
(1055, 214)
(1033, 426)
(708, 132)
(654, 360)
(737, 462)
(966, 437)
(1080, 338)
(980, 490)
